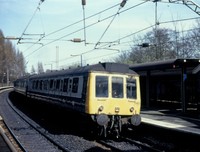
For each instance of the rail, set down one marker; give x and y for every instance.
(6, 139)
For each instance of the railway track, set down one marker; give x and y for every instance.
(65, 139)
(26, 135)
(127, 144)
(8, 141)
(62, 138)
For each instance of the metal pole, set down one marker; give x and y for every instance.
(83, 5)
(183, 87)
(57, 57)
(81, 60)
(7, 80)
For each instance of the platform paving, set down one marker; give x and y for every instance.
(171, 120)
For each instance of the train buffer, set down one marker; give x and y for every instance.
(171, 120)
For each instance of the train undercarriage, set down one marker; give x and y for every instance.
(112, 124)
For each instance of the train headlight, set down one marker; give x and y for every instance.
(131, 109)
(117, 109)
(101, 108)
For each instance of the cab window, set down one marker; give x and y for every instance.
(131, 88)
(117, 87)
(101, 86)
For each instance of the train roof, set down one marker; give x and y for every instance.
(167, 64)
(102, 67)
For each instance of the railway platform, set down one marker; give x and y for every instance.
(171, 119)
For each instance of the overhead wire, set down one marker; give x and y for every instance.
(56, 31)
(121, 6)
(90, 25)
(70, 25)
(152, 26)
(38, 7)
(95, 24)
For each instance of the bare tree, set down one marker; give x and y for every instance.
(194, 38)
(33, 70)
(40, 68)
(162, 44)
(12, 62)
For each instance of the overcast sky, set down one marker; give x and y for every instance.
(47, 33)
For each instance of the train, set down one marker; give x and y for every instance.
(108, 93)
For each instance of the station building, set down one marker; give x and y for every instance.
(173, 83)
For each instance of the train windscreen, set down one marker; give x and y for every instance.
(117, 87)
(131, 88)
(102, 86)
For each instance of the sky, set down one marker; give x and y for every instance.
(48, 28)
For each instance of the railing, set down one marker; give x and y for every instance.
(5, 87)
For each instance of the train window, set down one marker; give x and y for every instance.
(65, 85)
(54, 84)
(51, 84)
(61, 85)
(45, 85)
(37, 84)
(84, 86)
(57, 84)
(75, 85)
(101, 86)
(33, 85)
(41, 84)
(131, 88)
(117, 87)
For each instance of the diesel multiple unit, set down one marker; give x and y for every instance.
(109, 93)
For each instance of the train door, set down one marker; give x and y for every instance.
(75, 87)
(61, 88)
(70, 87)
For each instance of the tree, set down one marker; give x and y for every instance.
(12, 62)
(33, 70)
(123, 57)
(162, 44)
(40, 68)
(194, 39)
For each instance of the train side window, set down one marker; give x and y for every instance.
(75, 85)
(37, 84)
(41, 84)
(65, 85)
(84, 86)
(51, 84)
(101, 86)
(33, 84)
(57, 84)
(117, 87)
(54, 85)
(45, 85)
(70, 84)
(61, 85)
(131, 88)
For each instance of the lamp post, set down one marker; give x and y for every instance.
(81, 55)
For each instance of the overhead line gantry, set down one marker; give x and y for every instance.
(189, 3)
